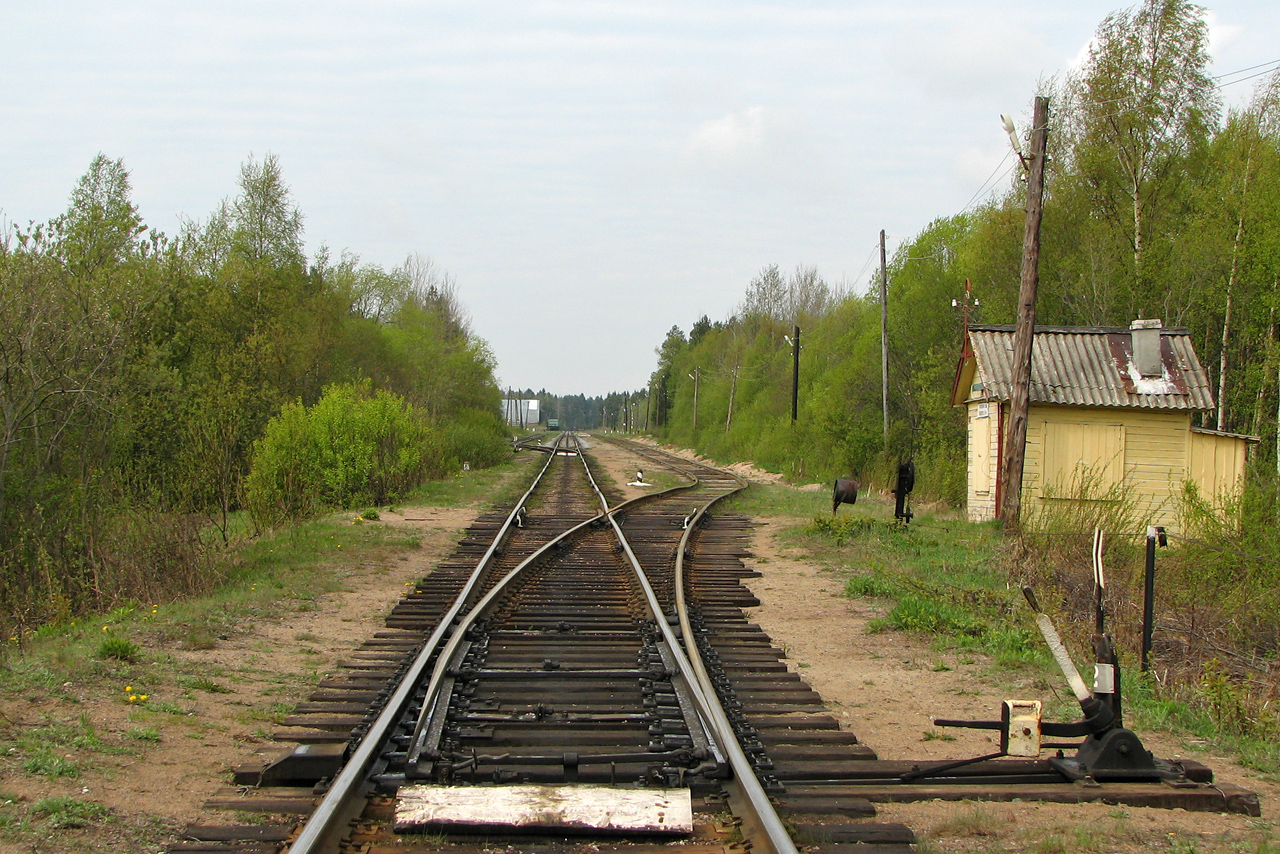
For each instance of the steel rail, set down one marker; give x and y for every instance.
(750, 800)
(340, 803)
(434, 695)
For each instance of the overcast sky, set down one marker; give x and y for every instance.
(592, 173)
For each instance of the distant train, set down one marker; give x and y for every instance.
(553, 423)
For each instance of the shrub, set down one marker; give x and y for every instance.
(353, 447)
(475, 437)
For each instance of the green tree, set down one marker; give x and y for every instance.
(1142, 106)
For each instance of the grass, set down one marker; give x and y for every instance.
(61, 812)
(495, 486)
(767, 499)
(943, 577)
(954, 583)
(135, 658)
(121, 649)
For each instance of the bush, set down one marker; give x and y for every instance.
(352, 448)
(475, 437)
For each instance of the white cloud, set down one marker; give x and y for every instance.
(732, 141)
(1220, 35)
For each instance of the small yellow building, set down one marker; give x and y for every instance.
(1110, 416)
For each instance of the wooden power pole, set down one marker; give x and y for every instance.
(1015, 445)
(884, 339)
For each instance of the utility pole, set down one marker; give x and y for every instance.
(884, 339)
(696, 373)
(733, 387)
(795, 375)
(1016, 436)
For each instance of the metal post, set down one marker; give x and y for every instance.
(1154, 533)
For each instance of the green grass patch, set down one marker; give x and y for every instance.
(46, 763)
(494, 486)
(203, 683)
(943, 577)
(61, 812)
(120, 649)
(772, 499)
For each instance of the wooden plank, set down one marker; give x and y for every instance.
(596, 808)
(231, 833)
(863, 832)
(1196, 798)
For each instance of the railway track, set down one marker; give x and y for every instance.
(599, 655)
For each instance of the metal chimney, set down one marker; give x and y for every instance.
(1146, 347)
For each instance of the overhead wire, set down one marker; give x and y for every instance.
(1243, 70)
(985, 189)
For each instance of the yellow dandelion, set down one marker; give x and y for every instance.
(143, 697)
(133, 698)
(128, 689)
(106, 628)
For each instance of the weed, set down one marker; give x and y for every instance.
(46, 763)
(61, 812)
(144, 733)
(971, 821)
(203, 683)
(937, 735)
(168, 707)
(913, 613)
(875, 585)
(118, 648)
(200, 637)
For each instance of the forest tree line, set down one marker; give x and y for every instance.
(139, 374)
(1158, 204)
(617, 410)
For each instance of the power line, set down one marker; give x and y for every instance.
(1243, 70)
(980, 190)
(1250, 77)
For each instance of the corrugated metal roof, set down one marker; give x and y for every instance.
(1092, 366)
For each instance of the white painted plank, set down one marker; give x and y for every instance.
(598, 808)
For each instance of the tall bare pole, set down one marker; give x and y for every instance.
(696, 374)
(884, 338)
(733, 387)
(1015, 447)
(795, 375)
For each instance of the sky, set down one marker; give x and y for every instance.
(591, 173)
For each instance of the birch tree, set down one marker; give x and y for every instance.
(1143, 103)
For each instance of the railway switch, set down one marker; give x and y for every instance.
(1108, 753)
